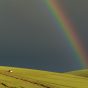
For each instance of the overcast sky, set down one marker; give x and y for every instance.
(27, 38)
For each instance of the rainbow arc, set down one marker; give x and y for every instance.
(68, 29)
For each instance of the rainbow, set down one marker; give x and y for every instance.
(59, 19)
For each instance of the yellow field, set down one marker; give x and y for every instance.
(82, 73)
(28, 78)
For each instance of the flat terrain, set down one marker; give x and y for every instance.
(28, 78)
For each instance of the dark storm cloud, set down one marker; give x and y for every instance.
(28, 39)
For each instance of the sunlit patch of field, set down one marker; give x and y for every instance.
(29, 78)
(82, 73)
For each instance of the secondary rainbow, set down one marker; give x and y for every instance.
(68, 29)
